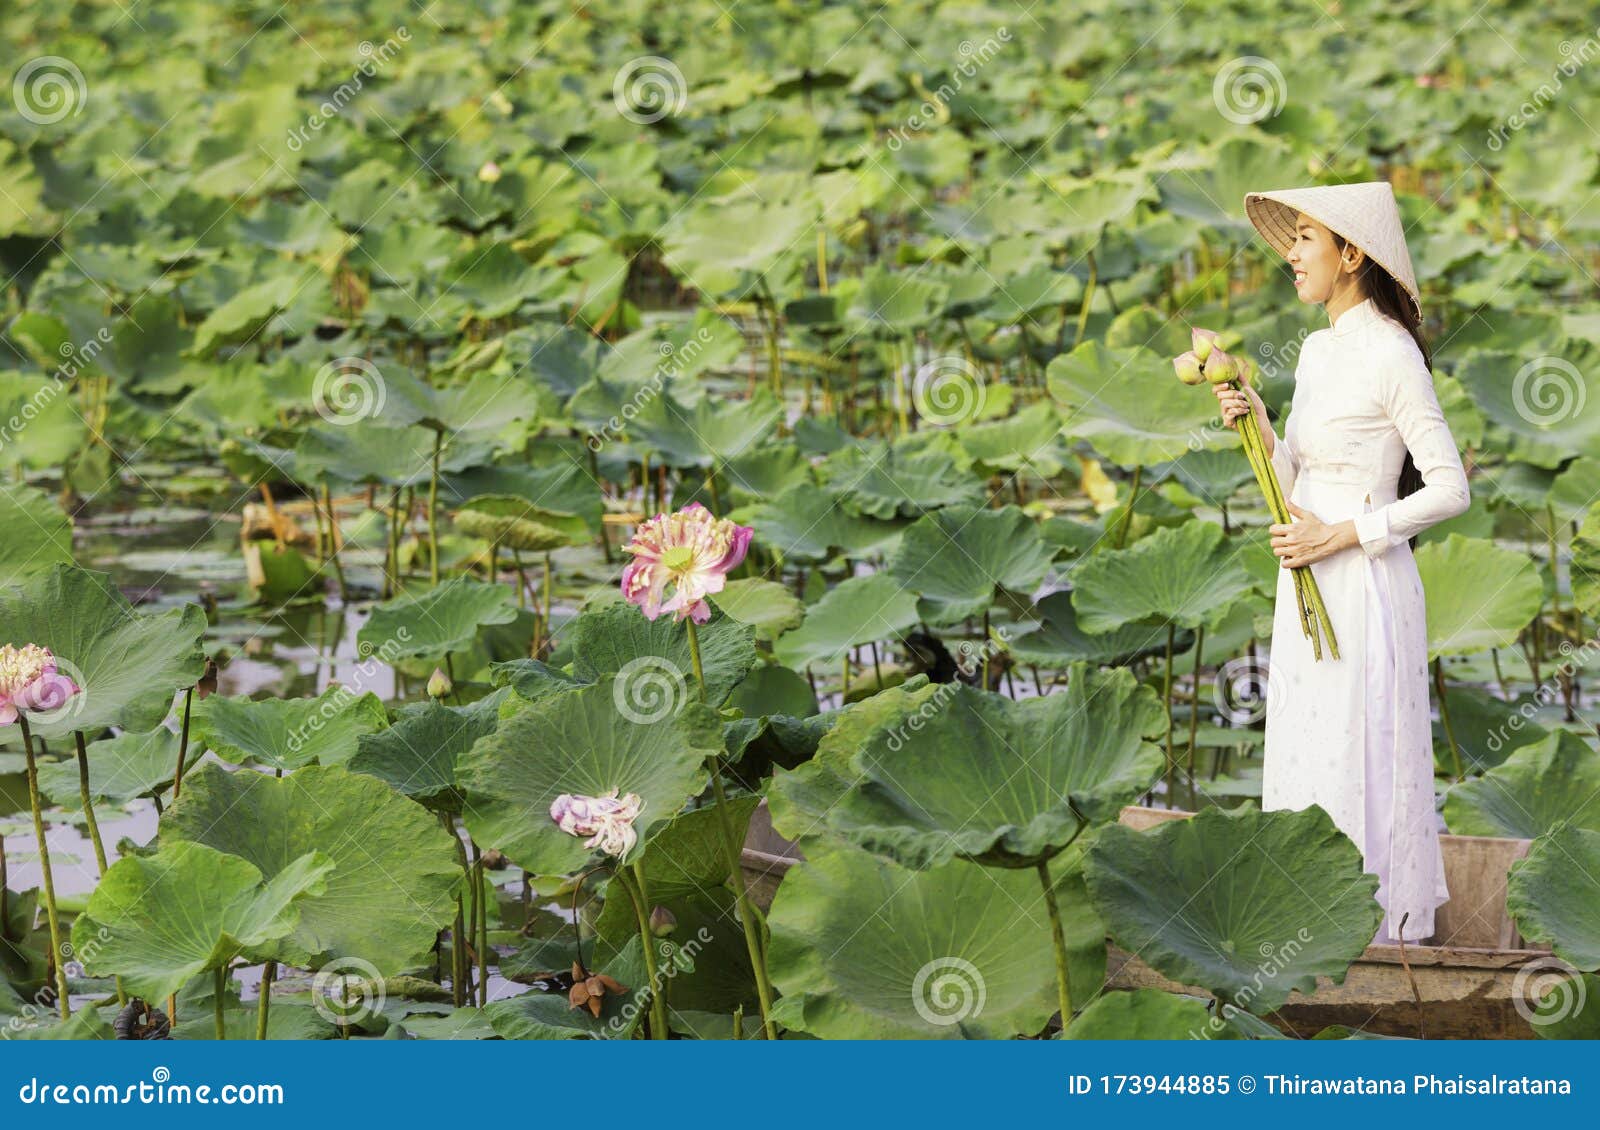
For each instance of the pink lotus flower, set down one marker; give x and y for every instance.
(28, 681)
(1188, 368)
(607, 821)
(690, 550)
(1202, 341)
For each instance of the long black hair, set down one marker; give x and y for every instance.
(1391, 298)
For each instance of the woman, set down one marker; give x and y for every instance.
(1353, 734)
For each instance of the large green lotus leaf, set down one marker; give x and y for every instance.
(51, 428)
(686, 871)
(549, 1016)
(768, 607)
(805, 524)
(1027, 441)
(158, 920)
(882, 482)
(432, 623)
(1059, 642)
(862, 948)
(127, 665)
(487, 405)
(1146, 1014)
(802, 799)
(1212, 193)
(712, 430)
(286, 733)
(84, 1024)
(492, 283)
(724, 247)
(616, 637)
(957, 560)
(515, 523)
(583, 742)
(1550, 784)
(397, 873)
(37, 534)
(979, 775)
(244, 314)
(1209, 900)
(1554, 895)
(1585, 565)
(1187, 574)
(893, 304)
(1479, 595)
(1539, 400)
(121, 768)
(1127, 404)
(857, 611)
(367, 452)
(418, 754)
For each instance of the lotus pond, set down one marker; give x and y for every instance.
(460, 468)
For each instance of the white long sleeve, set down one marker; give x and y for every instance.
(1406, 389)
(1284, 461)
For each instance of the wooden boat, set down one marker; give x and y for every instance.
(1465, 986)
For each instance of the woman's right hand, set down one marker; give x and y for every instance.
(1237, 402)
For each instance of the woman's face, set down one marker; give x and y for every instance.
(1319, 271)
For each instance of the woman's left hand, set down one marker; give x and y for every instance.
(1301, 543)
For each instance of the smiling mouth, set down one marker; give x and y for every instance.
(1299, 277)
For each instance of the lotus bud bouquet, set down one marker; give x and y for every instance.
(1209, 363)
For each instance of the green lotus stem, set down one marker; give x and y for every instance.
(264, 1004)
(1058, 941)
(481, 921)
(433, 510)
(94, 835)
(183, 745)
(544, 612)
(222, 988)
(458, 951)
(88, 804)
(822, 258)
(1194, 707)
(711, 485)
(731, 848)
(1127, 514)
(1444, 715)
(1166, 695)
(522, 578)
(1088, 296)
(333, 547)
(44, 869)
(658, 1009)
(901, 394)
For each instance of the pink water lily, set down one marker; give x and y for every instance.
(692, 551)
(606, 820)
(29, 681)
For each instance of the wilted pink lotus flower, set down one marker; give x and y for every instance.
(28, 681)
(607, 821)
(692, 551)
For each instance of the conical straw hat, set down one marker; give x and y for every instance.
(1365, 214)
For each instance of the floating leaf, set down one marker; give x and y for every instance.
(286, 733)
